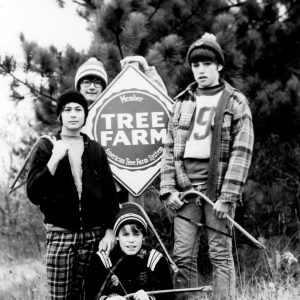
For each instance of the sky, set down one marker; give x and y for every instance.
(46, 23)
(42, 21)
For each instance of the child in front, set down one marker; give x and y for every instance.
(131, 266)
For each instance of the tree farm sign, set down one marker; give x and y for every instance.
(129, 120)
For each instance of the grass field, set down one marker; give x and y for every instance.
(23, 280)
(26, 279)
(261, 275)
(22, 270)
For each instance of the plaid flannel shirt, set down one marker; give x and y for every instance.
(234, 146)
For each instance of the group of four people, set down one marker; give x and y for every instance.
(208, 149)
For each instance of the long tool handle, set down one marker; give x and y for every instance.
(206, 288)
(234, 223)
(12, 187)
(172, 263)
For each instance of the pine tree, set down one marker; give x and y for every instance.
(261, 45)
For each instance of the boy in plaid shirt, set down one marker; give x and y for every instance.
(208, 149)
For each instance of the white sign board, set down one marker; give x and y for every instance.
(129, 120)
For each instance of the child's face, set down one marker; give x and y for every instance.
(206, 73)
(73, 116)
(91, 88)
(130, 240)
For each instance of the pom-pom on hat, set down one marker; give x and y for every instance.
(129, 214)
(71, 96)
(207, 41)
(92, 67)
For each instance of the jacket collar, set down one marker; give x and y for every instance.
(190, 89)
(86, 138)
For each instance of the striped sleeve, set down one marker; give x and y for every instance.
(105, 259)
(153, 259)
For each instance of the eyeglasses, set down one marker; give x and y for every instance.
(86, 83)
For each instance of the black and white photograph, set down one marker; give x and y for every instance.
(149, 150)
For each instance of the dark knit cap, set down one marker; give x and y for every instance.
(207, 41)
(71, 96)
(129, 214)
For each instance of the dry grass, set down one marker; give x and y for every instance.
(264, 290)
(24, 280)
(261, 277)
(22, 270)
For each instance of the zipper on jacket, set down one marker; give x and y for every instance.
(85, 143)
(80, 214)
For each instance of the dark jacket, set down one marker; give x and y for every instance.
(57, 195)
(148, 270)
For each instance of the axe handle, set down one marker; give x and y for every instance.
(12, 187)
(234, 223)
(206, 288)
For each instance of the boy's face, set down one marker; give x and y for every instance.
(206, 73)
(91, 87)
(73, 116)
(130, 240)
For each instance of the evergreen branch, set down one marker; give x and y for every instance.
(286, 13)
(193, 13)
(60, 3)
(156, 10)
(279, 17)
(119, 44)
(88, 4)
(32, 89)
(2, 211)
(226, 8)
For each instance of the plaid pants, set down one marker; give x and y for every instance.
(68, 256)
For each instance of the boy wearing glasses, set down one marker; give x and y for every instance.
(91, 77)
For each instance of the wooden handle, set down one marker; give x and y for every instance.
(234, 223)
